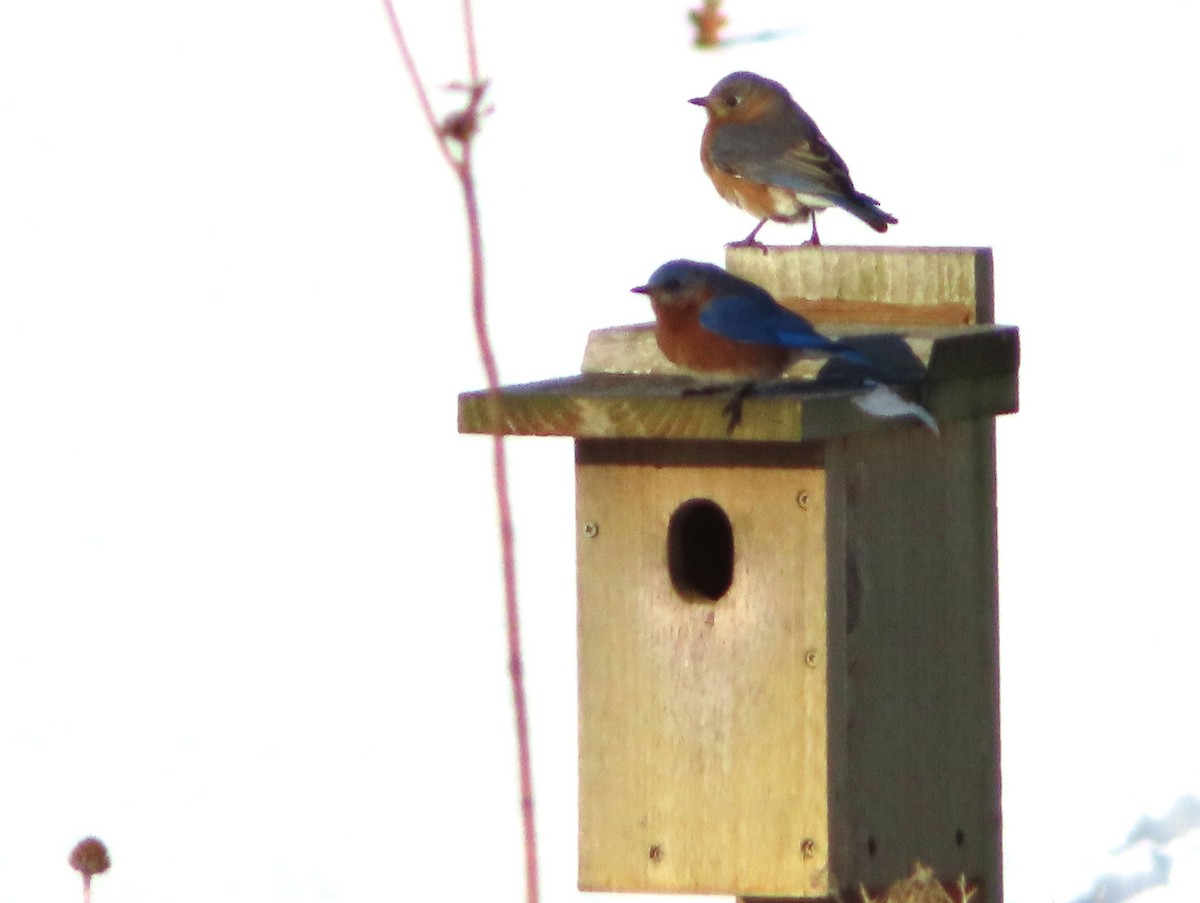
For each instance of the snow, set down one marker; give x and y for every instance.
(252, 634)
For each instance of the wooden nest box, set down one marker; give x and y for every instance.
(788, 679)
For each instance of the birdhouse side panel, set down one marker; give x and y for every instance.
(914, 518)
(702, 726)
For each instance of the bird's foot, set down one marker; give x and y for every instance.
(748, 243)
(733, 414)
(733, 410)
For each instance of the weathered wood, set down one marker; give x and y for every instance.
(917, 352)
(929, 309)
(922, 886)
(608, 406)
(914, 699)
(843, 692)
(702, 724)
(825, 311)
(834, 717)
(845, 284)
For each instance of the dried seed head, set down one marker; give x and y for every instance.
(89, 857)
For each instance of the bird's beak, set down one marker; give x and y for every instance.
(699, 101)
(641, 289)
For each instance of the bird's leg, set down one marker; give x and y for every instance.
(749, 241)
(815, 241)
(733, 410)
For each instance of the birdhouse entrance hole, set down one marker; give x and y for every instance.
(700, 551)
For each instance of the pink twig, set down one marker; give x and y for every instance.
(460, 127)
(422, 96)
(469, 31)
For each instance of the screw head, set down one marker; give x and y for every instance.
(591, 529)
(802, 499)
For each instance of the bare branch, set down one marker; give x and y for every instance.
(469, 31)
(460, 128)
(418, 86)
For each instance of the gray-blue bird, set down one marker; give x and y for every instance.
(767, 156)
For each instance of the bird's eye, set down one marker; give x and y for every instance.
(672, 285)
(731, 100)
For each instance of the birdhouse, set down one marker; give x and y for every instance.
(788, 679)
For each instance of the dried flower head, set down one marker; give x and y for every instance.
(708, 21)
(90, 857)
(461, 126)
(923, 886)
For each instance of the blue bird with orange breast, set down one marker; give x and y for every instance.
(764, 154)
(713, 323)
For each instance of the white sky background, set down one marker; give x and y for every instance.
(250, 616)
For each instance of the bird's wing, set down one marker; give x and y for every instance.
(756, 317)
(792, 155)
(751, 317)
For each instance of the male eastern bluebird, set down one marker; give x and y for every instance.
(766, 155)
(712, 323)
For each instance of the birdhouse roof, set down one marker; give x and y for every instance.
(922, 313)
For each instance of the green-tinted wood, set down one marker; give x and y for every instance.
(914, 698)
(646, 407)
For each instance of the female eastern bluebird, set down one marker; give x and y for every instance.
(766, 155)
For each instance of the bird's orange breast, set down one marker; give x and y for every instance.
(687, 344)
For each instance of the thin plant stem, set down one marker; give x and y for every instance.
(507, 543)
(422, 95)
(469, 32)
(466, 124)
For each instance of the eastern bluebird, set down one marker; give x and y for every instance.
(766, 155)
(712, 323)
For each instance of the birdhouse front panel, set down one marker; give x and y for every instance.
(703, 677)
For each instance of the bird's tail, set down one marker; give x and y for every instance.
(866, 208)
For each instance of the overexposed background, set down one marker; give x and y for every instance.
(250, 615)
